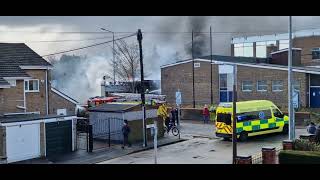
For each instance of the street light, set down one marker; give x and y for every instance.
(114, 64)
(234, 107)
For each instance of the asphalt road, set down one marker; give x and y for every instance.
(202, 147)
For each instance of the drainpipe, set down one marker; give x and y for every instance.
(47, 99)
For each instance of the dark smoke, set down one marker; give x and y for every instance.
(198, 24)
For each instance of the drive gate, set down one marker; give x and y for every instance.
(106, 131)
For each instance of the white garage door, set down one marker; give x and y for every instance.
(23, 142)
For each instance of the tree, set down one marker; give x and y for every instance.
(127, 62)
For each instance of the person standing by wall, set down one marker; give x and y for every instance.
(206, 114)
(126, 131)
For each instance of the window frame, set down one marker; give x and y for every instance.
(313, 50)
(28, 81)
(264, 85)
(277, 85)
(242, 85)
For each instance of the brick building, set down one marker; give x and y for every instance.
(257, 78)
(262, 46)
(25, 83)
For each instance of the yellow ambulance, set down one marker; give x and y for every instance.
(253, 118)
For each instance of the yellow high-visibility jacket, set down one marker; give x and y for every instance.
(163, 112)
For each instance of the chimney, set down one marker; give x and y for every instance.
(271, 48)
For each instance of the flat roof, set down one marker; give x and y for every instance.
(29, 117)
(113, 107)
(302, 69)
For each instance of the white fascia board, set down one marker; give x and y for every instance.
(68, 118)
(36, 67)
(15, 78)
(284, 50)
(64, 96)
(5, 86)
(184, 62)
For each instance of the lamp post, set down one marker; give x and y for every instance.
(114, 63)
(290, 79)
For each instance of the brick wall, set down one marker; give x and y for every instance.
(180, 77)
(306, 44)
(10, 98)
(36, 101)
(58, 102)
(279, 98)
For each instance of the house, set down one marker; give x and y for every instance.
(257, 78)
(36, 120)
(25, 83)
(109, 117)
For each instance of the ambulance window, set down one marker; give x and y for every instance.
(226, 118)
(254, 115)
(277, 113)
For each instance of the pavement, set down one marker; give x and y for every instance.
(202, 147)
(83, 157)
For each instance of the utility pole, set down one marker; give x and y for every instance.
(234, 115)
(139, 38)
(211, 67)
(290, 79)
(193, 94)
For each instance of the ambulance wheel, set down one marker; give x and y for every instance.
(243, 136)
(285, 129)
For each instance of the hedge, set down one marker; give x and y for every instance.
(299, 157)
(306, 145)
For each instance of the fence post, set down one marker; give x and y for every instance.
(244, 160)
(287, 145)
(268, 155)
(109, 138)
(90, 138)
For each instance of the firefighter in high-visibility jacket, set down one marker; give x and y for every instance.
(163, 113)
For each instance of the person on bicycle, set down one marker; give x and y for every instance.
(163, 113)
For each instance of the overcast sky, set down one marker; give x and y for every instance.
(19, 28)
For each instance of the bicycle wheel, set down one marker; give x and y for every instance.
(175, 131)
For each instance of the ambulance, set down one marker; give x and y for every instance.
(253, 118)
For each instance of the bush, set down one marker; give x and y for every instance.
(299, 157)
(305, 145)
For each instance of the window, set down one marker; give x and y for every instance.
(238, 49)
(261, 49)
(277, 85)
(247, 86)
(243, 49)
(315, 53)
(248, 49)
(223, 82)
(283, 44)
(254, 115)
(226, 118)
(12, 82)
(277, 113)
(31, 85)
(262, 85)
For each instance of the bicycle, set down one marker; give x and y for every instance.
(173, 128)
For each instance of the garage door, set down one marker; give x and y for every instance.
(58, 138)
(23, 142)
